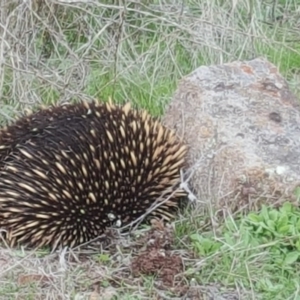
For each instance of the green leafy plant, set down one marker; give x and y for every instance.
(281, 226)
(204, 245)
(260, 251)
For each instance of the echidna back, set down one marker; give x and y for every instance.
(69, 172)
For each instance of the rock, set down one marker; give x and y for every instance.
(242, 124)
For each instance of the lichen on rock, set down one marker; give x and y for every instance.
(242, 125)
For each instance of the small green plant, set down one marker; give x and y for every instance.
(103, 258)
(281, 228)
(203, 245)
(260, 251)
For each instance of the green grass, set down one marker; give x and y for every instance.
(139, 54)
(259, 252)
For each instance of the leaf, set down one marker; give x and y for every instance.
(271, 225)
(195, 237)
(284, 229)
(274, 215)
(298, 224)
(104, 257)
(265, 213)
(282, 221)
(229, 239)
(291, 258)
(259, 230)
(287, 207)
(254, 218)
(198, 242)
(297, 245)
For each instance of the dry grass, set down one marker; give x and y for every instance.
(60, 51)
(63, 50)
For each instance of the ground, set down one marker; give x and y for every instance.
(147, 266)
(137, 51)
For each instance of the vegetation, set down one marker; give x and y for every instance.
(138, 50)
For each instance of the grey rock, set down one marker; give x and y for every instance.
(242, 125)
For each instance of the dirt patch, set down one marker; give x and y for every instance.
(160, 263)
(155, 256)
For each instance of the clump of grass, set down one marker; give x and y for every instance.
(259, 252)
(138, 51)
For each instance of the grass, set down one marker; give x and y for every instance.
(138, 51)
(259, 252)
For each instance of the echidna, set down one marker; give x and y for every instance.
(69, 172)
